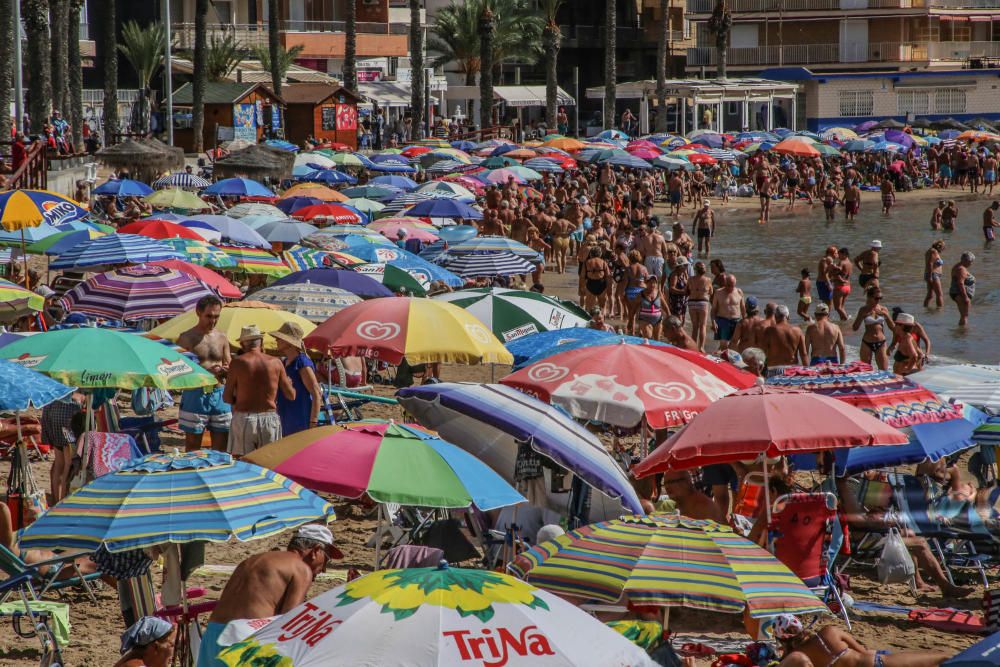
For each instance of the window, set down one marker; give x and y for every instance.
(913, 101)
(949, 100)
(857, 103)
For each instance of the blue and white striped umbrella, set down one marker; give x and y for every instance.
(724, 154)
(115, 249)
(942, 379)
(630, 161)
(448, 167)
(404, 201)
(488, 264)
(544, 165)
(182, 180)
(494, 244)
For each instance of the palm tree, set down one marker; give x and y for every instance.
(285, 59)
(487, 31)
(662, 55)
(6, 60)
(351, 47)
(222, 57)
(59, 17)
(200, 73)
(36, 27)
(143, 48)
(109, 40)
(552, 40)
(75, 67)
(274, 44)
(610, 63)
(720, 25)
(416, 71)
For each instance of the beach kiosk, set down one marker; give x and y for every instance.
(325, 111)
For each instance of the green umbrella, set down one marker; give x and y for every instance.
(93, 358)
(394, 278)
(826, 150)
(366, 206)
(498, 162)
(511, 314)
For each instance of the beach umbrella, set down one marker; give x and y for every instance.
(85, 226)
(672, 163)
(254, 222)
(352, 232)
(286, 231)
(724, 154)
(91, 358)
(332, 213)
(760, 421)
(620, 384)
(349, 281)
(136, 292)
(759, 146)
(400, 182)
(574, 341)
(175, 198)
(393, 167)
(411, 230)
(644, 153)
(238, 187)
(982, 395)
(408, 199)
(24, 388)
(201, 253)
(292, 204)
(888, 147)
(900, 137)
(328, 177)
(445, 165)
(159, 229)
(318, 160)
(544, 165)
(491, 422)
(614, 135)
(301, 258)
(114, 249)
(60, 242)
(473, 265)
(526, 347)
(857, 146)
(390, 462)
(708, 139)
(206, 231)
(281, 144)
(350, 160)
(512, 314)
(797, 146)
(374, 192)
(366, 206)
(314, 190)
(28, 235)
(983, 653)
(222, 287)
(415, 151)
(316, 303)
(394, 278)
(700, 158)
(124, 187)
(233, 230)
(565, 143)
(247, 209)
(498, 162)
(181, 180)
(30, 208)
(456, 190)
(415, 265)
(16, 301)
(444, 208)
(890, 123)
(233, 318)
(421, 330)
(667, 560)
(176, 498)
(458, 233)
(526, 173)
(425, 617)
(255, 260)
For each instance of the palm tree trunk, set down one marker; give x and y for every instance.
(351, 47)
(486, 34)
(59, 16)
(273, 43)
(201, 72)
(610, 63)
(552, 38)
(662, 54)
(6, 64)
(75, 72)
(417, 101)
(109, 29)
(723, 51)
(36, 27)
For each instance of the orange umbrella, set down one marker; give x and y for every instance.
(316, 190)
(568, 144)
(797, 147)
(521, 154)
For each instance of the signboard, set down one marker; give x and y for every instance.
(224, 133)
(329, 119)
(245, 122)
(347, 117)
(368, 75)
(275, 117)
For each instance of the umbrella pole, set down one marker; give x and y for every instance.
(378, 537)
(767, 501)
(24, 260)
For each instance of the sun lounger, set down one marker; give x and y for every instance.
(41, 620)
(13, 566)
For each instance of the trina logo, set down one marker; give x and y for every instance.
(308, 626)
(494, 650)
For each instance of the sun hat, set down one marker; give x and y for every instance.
(291, 333)
(144, 632)
(876, 244)
(322, 534)
(786, 626)
(250, 333)
(905, 318)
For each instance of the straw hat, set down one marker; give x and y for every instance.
(291, 333)
(250, 333)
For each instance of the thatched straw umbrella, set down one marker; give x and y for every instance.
(256, 162)
(143, 160)
(175, 152)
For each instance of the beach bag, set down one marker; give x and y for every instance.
(146, 401)
(895, 565)
(991, 610)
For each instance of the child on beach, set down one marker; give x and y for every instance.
(804, 290)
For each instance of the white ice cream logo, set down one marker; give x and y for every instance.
(672, 392)
(711, 385)
(372, 330)
(478, 333)
(546, 372)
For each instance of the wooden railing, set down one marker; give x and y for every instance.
(487, 133)
(33, 172)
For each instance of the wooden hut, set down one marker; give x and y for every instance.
(246, 110)
(328, 113)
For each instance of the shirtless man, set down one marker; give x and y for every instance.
(699, 304)
(690, 501)
(888, 194)
(675, 193)
(824, 289)
(727, 310)
(703, 227)
(840, 280)
(784, 343)
(746, 334)
(831, 645)
(491, 225)
(990, 222)
(673, 331)
(824, 339)
(852, 201)
(254, 381)
(268, 584)
(506, 216)
(522, 222)
(201, 410)
(654, 252)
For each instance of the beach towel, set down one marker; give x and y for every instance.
(949, 620)
(109, 452)
(58, 613)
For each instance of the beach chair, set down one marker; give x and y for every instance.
(799, 536)
(13, 566)
(41, 620)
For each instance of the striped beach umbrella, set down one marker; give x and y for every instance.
(182, 180)
(31, 208)
(456, 190)
(474, 265)
(177, 498)
(57, 244)
(723, 154)
(255, 260)
(115, 249)
(201, 253)
(394, 278)
(404, 201)
(669, 561)
(136, 292)
(249, 208)
(301, 258)
(16, 301)
(511, 314)
(544, 165)
(222, 287)
(316, 303)
(414, 264)
(493, 244)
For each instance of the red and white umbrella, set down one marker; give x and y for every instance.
(621, 383)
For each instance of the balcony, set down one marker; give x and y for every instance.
(756, 6)
(831, 54)
(252, 35)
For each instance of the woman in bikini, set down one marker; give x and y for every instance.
(650, 315)
(677, 284)
(875, 317)
(635, 283)
(596, 274)
(699, 303)
(908, 358)
(932, 274)
(963, 287)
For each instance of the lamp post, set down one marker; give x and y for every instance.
(168, 73)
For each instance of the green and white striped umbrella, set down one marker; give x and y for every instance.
(511, 314)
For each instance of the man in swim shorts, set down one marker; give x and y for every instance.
(824, 340)
(728, 308)
(203, 409)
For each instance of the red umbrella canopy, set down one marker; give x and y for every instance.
(330, 213)
(223, 287)
(769, 421)
(160, 229)
(621, 383)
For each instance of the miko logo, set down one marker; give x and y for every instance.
(372, 330)
(58, 211)
(310, 625)
(494, 649)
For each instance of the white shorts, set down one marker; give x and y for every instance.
(252, 430)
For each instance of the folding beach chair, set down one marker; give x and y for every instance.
(13, 566)
(799, 536)
(40, 620)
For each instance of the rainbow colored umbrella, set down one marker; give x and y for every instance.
(665, 560)
(176, 498)
(255, 260)
(301, 258)
(31, 208)
(201, 253)
(392, 463)
(137, 292)
(16, 301)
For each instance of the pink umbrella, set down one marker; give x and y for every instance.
(468, 182)
(640, 143)
(391, 230)
(644, 152)
(501, 176)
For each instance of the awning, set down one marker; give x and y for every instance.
(530, 96)
(386, 93)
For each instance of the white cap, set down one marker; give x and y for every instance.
(705, 202)
(876, 244)
(668, 236)
(321, 534)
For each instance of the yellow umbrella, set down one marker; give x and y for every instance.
(234, 317)
(176, 198)
(31, 208)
